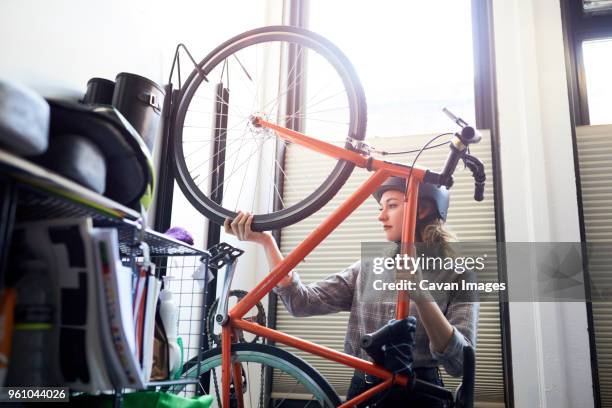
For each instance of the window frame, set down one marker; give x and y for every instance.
(577, 28)
(485, 96)
(296, 13)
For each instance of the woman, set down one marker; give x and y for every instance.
(444, 323)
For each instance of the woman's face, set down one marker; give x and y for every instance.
(392, 213)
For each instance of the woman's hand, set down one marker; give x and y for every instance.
(241, 228)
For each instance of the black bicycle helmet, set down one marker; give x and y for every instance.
(438, 195)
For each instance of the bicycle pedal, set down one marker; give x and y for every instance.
(221, 254)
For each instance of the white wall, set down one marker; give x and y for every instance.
(550, 345)
(55, 47)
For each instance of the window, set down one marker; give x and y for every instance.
(597, 57)
(595, 7)
(412, 62)
(588, 36)
(412, 59)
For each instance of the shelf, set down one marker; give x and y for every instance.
(43, 194)
(169, 383)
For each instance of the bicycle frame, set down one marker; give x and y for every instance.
(382, 170)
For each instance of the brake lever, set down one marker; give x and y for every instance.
(459, 147)
(460, 122)
(468, 134)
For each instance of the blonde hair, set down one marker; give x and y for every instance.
(436, 233)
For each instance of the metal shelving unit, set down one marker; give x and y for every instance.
(42, 194)
(30, 193)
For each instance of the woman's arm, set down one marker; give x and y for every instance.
(449, 332)
(438, 329)
(463, 318)
(333, 294)
(451, 329)
(274, 256)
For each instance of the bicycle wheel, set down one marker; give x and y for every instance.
(292, 376)
(289, 76)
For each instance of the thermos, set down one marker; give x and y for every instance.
(140, 100)
(99, 91)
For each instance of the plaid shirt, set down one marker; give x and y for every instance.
(345, 291)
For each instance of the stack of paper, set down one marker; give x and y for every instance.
(105, 320)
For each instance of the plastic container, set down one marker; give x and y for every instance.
(140, 100)
(29, 364)
(99, 91)
(169, 315)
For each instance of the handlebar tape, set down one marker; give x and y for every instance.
(479, 191)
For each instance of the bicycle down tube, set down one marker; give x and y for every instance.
(382, 170)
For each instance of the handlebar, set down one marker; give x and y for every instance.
(404, 329)
(458, 151)
(429, 389)
(377, 338)
(478, 173)
(373, 343)
(396, 329)
(464, 396)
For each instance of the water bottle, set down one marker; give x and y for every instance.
(169, 315)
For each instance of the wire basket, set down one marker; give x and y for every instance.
(188, 286)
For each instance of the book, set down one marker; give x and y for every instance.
(138, 306)
(75, 350)
(117, 323)
(153, 289)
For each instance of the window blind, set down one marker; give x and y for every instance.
(595, 162)
(471, 221)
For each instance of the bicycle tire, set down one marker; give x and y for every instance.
(275, 358)
(340, 172)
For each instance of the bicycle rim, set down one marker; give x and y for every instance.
(299, 379)
(224, 164)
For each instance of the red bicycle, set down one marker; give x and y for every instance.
(286, 82)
